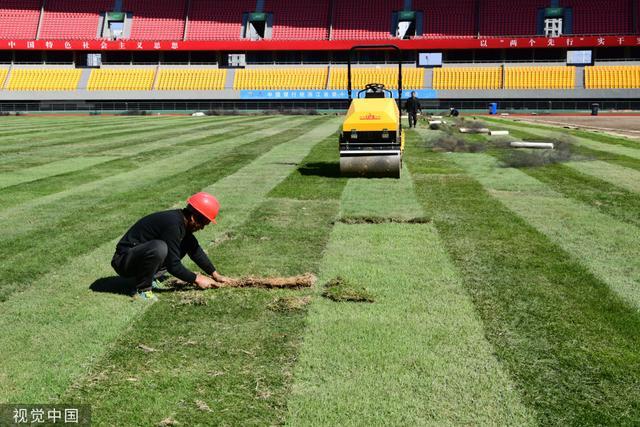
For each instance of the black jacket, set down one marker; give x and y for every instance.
(168, 226)
(412, 105)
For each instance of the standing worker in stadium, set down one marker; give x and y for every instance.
(412, 106)
(160, 240)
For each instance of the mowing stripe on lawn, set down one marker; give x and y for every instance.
(130, 158)
(76, 228)
(608, 198)
(568, 341)
(626, 178)
(579, 229)
(88, 145)
(36, 212)
(233, 354)
(381, 198)
(51, 169)
(415, 356)
(72, 327)
(317, 177)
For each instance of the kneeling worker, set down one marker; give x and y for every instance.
(160, 240)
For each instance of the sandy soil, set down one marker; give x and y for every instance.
(620, 125)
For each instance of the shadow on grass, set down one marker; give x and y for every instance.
(113, 285)
(323, 169)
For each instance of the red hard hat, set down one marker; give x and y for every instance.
(206, 204)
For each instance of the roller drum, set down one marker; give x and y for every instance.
(374, 164)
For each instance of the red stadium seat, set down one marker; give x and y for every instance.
(70, 19)
(512, 18)
(597, 17)
(293, 19)
(156, 19)
(442, 19)
(19, 18)
(220, 20)
(356, 21)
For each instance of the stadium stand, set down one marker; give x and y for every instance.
(475, 78)
(157, 19)
(612, 77)
(597, 17)
(412, 78)
(121, 79)
(187, 79)
(70, 19)
(510, 18)
(447, 19)
(356, 21)
(19, 18)
(221, 20)
(560, 77)
(44, 79)
(294, 19)
(302, 78)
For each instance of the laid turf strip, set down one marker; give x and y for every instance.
(609, 198)
(234, 353)
(72, 327)
(76, 230)
(568, 341)
(414, 356)
(581, 230)
(129, 158)
(241, 352)
(317, 177)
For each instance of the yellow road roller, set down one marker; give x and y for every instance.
(372, 140)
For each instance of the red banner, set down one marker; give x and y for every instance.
(283, 45)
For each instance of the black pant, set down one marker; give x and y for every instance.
(141, 262)
(413, 118)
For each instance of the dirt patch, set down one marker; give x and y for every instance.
(449, 143)
(289, 304)
(306, 280)
(202, 406)
(340, 290)
(168, 422)
(382, 220)
(628, 126)
(193, 298)
(524, 158)
(146, 349)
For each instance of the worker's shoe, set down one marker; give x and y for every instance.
(147, 296)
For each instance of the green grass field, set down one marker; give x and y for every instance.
(501, 295)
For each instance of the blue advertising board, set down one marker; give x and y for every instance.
(283, 94)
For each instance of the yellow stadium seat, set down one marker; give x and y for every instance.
(190, 79)
(290, 78)
(471, 78)
(44, 79)
(121, 79)
(612, 77)
(539, 77)
(412, 78)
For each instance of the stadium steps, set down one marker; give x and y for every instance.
(84, 79)
(5, 82)
(156, 76)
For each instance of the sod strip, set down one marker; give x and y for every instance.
(233, 354)
(72, 327)
(62, 137)
(50, 169)
(599, 241)
(567, 341)
(317, 177)
(77, 231)
(607, 198)
(626, 178)
(416, 356)
(130, 158)
(28, 216)
(381, 198)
